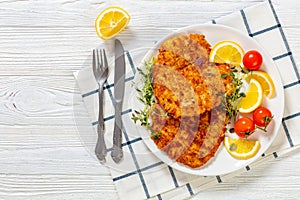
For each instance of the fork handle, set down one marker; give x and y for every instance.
(100, 113)
(117, 152)
(100, 148)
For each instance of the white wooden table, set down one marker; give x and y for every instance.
(42, 43)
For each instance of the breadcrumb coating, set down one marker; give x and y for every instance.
(192, 141)
(185, 83)
(188, 117)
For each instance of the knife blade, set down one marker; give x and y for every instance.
(119, 87)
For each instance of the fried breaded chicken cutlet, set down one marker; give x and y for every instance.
(188, 90)
(184, 82)
(192, 141)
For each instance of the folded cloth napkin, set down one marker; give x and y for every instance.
(142, 175)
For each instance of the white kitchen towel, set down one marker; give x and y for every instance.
(142, 175)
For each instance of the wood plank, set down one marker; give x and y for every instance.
(40, 100)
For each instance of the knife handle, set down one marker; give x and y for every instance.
(117, 152)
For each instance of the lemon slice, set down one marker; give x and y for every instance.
(111, 21)
(227, 52)
(265, 81)
(253, 99)
(241, 148)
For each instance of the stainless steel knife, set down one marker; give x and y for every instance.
(119, 87)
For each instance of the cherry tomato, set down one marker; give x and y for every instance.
(244, 127)
(262, 116)
(252, 60)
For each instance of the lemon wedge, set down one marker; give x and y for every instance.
(253, 99)
(241, 148)
(265, 81)
(227, 52)
(111, 21)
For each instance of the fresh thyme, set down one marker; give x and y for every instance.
(154, 135)
(146, 96)
(230, 101)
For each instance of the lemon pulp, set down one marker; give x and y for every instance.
(111, 21)
(241, 148)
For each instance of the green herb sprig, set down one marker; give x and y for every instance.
(230, 101)
(146, 96)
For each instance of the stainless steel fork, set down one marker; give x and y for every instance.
(100, 69)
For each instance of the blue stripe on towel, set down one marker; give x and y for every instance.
(246, 22)
(127, 143)
(124, 176)
(287, 133)
(219, 179)
(282, 56)
(159, 197)
(247, 168)
(190, 189)
(152, 166)
(113, 116)
(292, 116)
(90, 93)
(131, 62)
(173, 176)
(137, 171)
(291, 84)
(265, 30)
(106, 86)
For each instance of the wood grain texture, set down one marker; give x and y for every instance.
(41, 111)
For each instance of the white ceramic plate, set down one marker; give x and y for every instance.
(223, 163)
